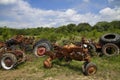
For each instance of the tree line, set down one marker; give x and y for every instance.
(70, 31)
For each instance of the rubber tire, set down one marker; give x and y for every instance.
(104, 48)
(12, 57)
(86, 66)
(115, 38)
(92, 50)
(42, 43)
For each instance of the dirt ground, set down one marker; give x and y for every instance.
(33, 70)
(23, 75)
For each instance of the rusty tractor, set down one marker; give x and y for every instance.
(108, 45)
(12, 51)
(69, 53)
(44, 45)
(10, 58)
(21, 42)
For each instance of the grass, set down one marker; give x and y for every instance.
(108, 69)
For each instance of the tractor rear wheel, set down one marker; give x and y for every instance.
(41, 47)
(8, 61)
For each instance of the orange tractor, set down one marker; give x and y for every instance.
(12, 52)
(67, 52)
(12, 55)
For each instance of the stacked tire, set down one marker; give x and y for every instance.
(110, 44)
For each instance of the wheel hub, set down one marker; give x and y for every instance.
(91, 70)
(8, 62)
(41, 51)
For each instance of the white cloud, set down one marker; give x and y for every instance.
(109, 14)
(107, 11)
(22, 15)
(5, 2)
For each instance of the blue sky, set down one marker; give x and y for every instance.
(54, 13)
(81, 5)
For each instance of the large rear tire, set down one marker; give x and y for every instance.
(41, 47)
(110, 49)
(8, 61)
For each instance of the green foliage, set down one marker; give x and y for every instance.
(83, 27)
(6, 34)
(67, 32)
(102, 26)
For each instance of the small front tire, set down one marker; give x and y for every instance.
(89, 68)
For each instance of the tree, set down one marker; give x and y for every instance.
(115, 25)
(83, 27)
(6, 34)
(71, 28)
(102, 26)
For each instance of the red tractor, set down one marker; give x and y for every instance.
(12, 55)
(108, 45)
(67, 52)
(12, 51)
(10, 58)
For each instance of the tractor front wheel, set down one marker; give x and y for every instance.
(89, 68)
